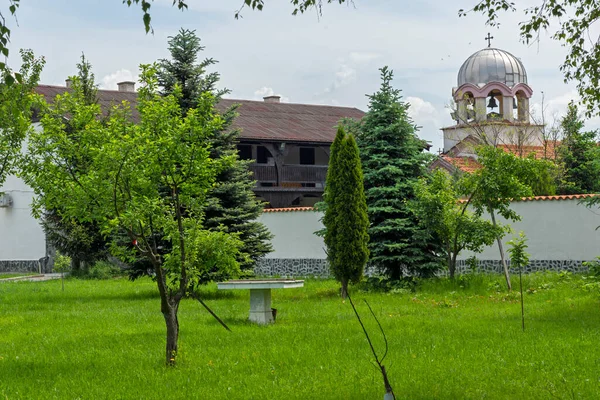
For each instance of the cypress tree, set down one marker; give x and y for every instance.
(346, 217)
(232, 206)
(393, 159)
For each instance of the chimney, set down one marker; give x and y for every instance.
(68, 82)
(126, 86)
(272, 99)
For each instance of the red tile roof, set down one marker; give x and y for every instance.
(258, 120)
(552, 198)
(465, 164)
(539, 151)
(289, 209)
(558, 197)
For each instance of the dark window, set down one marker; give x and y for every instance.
(266, 184)
(308, 184)
(262, 154)
(244, 151)
(307, 156)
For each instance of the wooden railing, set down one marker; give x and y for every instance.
(304, 173)
(264, 173)
(290, 173)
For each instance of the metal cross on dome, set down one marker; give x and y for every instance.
(489, 39)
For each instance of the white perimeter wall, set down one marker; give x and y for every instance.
(294, 234)
(21, 236)
(556, 230)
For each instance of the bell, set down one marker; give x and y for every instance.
(514, 103)
(492, 103)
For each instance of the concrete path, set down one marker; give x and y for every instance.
(33, 278)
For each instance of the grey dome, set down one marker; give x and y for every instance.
(492, 65)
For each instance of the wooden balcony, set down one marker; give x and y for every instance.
(290, 173)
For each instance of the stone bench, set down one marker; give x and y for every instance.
(260, 295)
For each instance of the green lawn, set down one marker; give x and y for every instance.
(5, 275)
(105, 340)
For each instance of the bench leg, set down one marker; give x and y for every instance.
(260, 306)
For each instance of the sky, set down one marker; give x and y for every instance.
(331, 59)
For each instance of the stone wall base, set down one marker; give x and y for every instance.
(311, 267)
(20, 266)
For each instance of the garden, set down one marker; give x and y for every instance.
(447, 340)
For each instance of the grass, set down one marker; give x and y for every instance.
(5, 275)
(448, 340)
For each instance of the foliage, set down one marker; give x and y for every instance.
(62, 263)
(594, 267)
(516, 248)
(502, 178)
(231, 205)
(578, 155)
(571, 21)
(145, 180)
(539, 174)
(439, 210)
(393, 159)
(345, 216)
(16, 110)
(519, 258)
(82, 241)
(112, 327)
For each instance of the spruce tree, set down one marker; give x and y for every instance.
(346, 217)
(232, 206)
(578, 155)
(393, 159)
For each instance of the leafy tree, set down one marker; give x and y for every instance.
(393, 159)
(231, 205)
(440, 210)
(490, 189)
(519, 258)
(579, 156)
(540, 175)
(16, 110)
(571, 21)
(83, 242)
(345, 216)
(299, 6)
(130, 167)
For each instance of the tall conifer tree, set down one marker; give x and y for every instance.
(393, 159)
(232, 206)
(346, 217)
(578, 155)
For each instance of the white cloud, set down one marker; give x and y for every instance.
(422, 111)
(110, 81)
(267, 91)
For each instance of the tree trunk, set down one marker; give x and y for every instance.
(501, 248)
(452, 265)
(170, 314)
(75, 264)
(344, 290)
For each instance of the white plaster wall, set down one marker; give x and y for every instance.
(294, 234)
(21, 236)
(556, 230)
